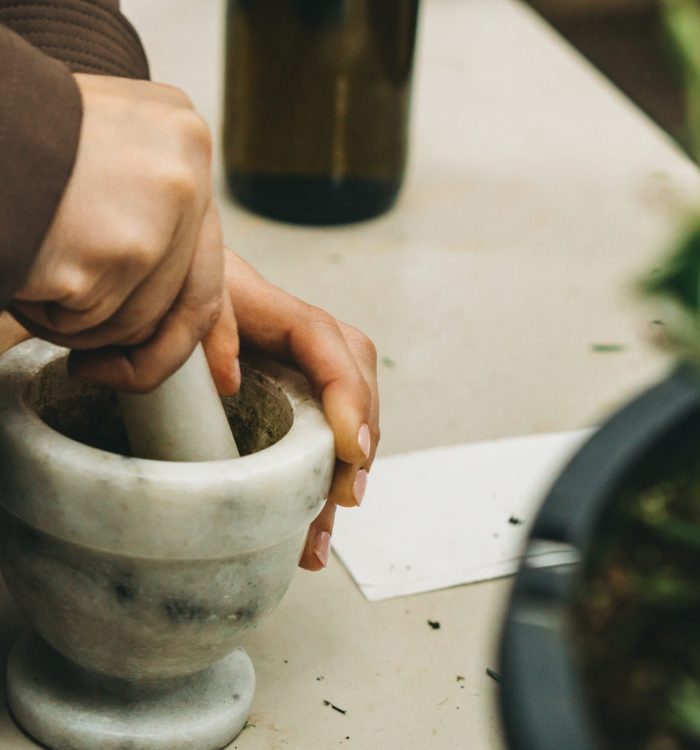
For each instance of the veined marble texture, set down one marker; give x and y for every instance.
(140, 619)
(140, 572)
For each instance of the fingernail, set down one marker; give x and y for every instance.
(237, 371)
(359, 486)
(322, 547)
(364, 440)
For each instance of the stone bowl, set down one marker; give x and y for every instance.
(139, 577)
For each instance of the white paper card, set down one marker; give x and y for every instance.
(447, 516)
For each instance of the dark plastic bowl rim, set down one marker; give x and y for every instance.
(542, 699)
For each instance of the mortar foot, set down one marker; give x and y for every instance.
(66, 708)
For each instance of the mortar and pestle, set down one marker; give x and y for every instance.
(139, 575)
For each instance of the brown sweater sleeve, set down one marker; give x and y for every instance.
(41, 110)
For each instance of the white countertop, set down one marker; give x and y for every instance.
(536, 193)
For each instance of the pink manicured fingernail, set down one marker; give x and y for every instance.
(322, 547)
(359, 486)
(237, 370)
(364, 440)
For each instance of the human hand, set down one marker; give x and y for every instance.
(133, 263)
(340, 363)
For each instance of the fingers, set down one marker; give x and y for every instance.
(141, 310)
(140, 369)
(317, 345)
(318, 540)
(222, 348)
(145, 305)
(279, 323)
(339, 360)
(132, 324)
(341, 364)
(64, 316)
(196, 310)
(349, 484)
(365, 354)
(350, 402)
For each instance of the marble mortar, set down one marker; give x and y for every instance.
(139, 577)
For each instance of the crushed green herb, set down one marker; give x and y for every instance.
(607, 348)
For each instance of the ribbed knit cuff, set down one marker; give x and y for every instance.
(90, 36)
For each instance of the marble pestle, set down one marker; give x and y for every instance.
(181, 420)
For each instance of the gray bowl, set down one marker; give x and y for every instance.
(138, 577)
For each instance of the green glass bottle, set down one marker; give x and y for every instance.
(317, 105)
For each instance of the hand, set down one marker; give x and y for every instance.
(340, 363)
(133, 263)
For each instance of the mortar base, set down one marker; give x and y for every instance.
(65, 708)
